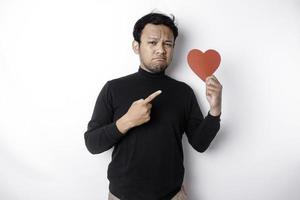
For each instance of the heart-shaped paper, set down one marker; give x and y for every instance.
(204, 64)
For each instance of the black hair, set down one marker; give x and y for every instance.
(156, 19)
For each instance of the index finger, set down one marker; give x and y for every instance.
(212, 79)
(152, 96)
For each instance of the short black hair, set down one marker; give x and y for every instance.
(156, 19)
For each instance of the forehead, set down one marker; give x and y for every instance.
(157, 31)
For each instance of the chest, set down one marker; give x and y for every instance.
(168, 107)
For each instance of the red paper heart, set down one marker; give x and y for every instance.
(204, 64)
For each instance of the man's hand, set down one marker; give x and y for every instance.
(137, 114)
(214, 95)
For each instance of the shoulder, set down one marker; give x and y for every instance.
(121, 81)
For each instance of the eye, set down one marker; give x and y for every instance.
(152, 42)
(169, 44)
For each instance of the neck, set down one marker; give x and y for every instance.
(146, 73)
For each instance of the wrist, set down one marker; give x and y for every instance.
(215, 111)
(124, 124)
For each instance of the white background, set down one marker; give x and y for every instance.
(55, 56)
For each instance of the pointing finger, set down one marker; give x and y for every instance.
(152, 96)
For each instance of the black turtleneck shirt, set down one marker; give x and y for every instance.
(147, 161)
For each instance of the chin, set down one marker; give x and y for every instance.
(158, 68)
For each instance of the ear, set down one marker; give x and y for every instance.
(136, 47)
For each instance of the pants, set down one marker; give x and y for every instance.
(181, 195)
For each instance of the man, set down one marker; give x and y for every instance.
(144, 115)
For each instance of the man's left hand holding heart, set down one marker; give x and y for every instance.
(214, 95)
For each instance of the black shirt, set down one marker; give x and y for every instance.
(147, 161)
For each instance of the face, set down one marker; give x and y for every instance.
(156, 47)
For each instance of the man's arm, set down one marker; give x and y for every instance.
(200, 131)
(102, 132)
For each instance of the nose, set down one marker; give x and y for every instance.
(160, 49)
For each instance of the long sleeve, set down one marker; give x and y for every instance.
(200, 131)
(102, 132)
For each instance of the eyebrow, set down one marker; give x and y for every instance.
(151, 37)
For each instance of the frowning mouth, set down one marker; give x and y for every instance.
(161, 59)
